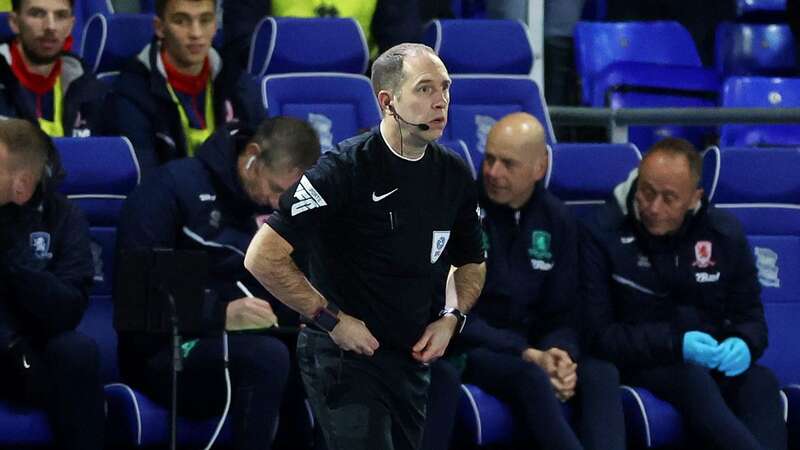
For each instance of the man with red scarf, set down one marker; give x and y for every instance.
(174, 94)
(41, 81)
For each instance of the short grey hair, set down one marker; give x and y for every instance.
(387, 70)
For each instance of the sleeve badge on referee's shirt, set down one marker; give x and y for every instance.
(440, 239)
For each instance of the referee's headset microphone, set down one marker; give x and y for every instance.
(421, 126)
(398, 118)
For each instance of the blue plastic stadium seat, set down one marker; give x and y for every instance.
(474, 46)
(83, 11)
(763, 93)
(460, 148)
(584, 175)
(628, 55)
(760, 187)
(754, 49)
(288, 44)
(5, 30)
(110, 41)
(338, 106)
(649, 421)
(644, 64)
(760, 10)
(478, 101)
(101, 171)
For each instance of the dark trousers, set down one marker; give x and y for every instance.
(443, 396)
(259, 366)
(742, 412)
(61, 375)
(527, 389)
(363, 402)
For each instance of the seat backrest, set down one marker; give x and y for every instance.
(83, 10)
(598, 44)
(754, 49)
(478, 101)
(472, 45)
(764, 93)
(291, 44)
(583, 176)
(101, 171)
(760, 9)
(5, 30)
(110, 41)
(460, 148)
(762, 189)
(337, 105)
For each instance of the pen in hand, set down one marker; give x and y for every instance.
(247, 293)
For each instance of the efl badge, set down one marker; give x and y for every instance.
(702, 255)
(440, 239)
(40, 245)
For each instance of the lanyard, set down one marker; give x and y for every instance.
(55, 127)
(195, 136)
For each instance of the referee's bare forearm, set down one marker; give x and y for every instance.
(269, 259)
(469, 280)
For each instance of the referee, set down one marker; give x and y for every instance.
(384, 217)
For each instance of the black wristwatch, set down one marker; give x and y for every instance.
(326, 317)
(461, 318)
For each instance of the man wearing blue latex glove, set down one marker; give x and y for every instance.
(701, 349)
(734, 357)
(666, 278)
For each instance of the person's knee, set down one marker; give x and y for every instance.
(73, 353)
(595, 373)
(761, 377)
(532, 380)
(445, 377)
(261, 356)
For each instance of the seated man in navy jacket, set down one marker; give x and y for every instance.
(45, 275)
(176, 92)
(672, 298)
(42, 82)
(522, 339)
(215, 203)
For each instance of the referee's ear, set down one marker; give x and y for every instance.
(385, 101)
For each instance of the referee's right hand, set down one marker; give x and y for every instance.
(351, 334)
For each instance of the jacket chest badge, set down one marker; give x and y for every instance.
(644, 262)
(702, 255)
(539, 251)
(40, 245)
(214, 218)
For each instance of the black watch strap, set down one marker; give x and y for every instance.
(461, 318)
(326, 317)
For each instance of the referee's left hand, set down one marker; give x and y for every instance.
(434, 340)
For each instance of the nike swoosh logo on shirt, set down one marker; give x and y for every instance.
(377, 198)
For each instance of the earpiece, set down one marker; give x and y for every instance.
(250, 162)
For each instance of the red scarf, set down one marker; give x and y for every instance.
(186, 84)
(35, 83)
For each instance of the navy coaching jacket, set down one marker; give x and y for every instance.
(84, 96)
(643, 293)
(199, 204)
(141, 107)
(46, 265)
(530, 296)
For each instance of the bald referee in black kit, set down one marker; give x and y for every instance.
(384, 219)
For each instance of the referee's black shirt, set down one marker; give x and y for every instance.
(382, 232)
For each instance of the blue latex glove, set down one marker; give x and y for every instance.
(735, 356)
(701, 349)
